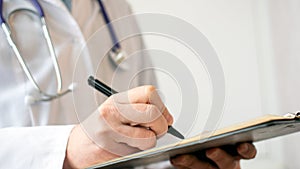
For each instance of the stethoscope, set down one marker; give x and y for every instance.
(116, 53)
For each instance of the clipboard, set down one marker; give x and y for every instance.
(263, 128)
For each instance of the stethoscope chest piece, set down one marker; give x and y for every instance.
(118, 58)
(116, 54)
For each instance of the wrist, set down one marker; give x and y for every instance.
(82, 152)
(67, 162)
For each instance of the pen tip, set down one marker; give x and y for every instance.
(175, 133)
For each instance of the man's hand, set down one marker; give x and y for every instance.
(125, 123)
(221, 159)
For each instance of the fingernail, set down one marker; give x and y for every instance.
(180, 159)
(170, 120)
(212, 153)
(244, 148)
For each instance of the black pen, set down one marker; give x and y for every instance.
(106, 90)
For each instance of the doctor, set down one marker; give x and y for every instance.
(42, 98)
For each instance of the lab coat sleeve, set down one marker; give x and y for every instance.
(34, 147)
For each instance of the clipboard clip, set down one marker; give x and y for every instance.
(295, 115)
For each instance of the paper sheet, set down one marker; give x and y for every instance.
(167, 139)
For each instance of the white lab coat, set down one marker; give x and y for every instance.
(44, 145)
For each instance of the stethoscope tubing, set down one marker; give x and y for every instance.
(38, 7)
(112, 32)
(24, 66)
(117, 54)
(2, 20)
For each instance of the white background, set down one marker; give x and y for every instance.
(245, 35)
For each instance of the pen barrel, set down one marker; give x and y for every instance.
(103, 88)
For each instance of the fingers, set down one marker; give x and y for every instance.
(145, 95)
(129, 131)
(142, 94)
(134, 115)
(138, 113)
(112, 143)
(190, 162)
(109, 134)
(222, 159)
(145, 115)
(217, 155)
(137, 137)
(130, 121)
(247, 150)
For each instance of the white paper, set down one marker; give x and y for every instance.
(166, 140)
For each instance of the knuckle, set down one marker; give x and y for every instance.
(156, 110)
(248, 152)
(150, 141)
(149, 89)
(192, 161)
(119, 130)
(149, 134)
(215, 156)
(146, 108)
(111, 99)
(103, 110)
(106, 110)
(141, 108)
(187, 161)
(153, 111)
